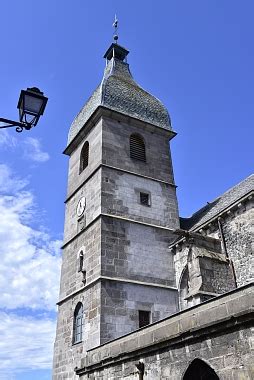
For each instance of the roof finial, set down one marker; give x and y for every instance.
(115, 25)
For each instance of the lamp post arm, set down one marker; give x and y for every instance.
(11, 123)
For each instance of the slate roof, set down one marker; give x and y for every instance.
(218, 205)
(118, 91)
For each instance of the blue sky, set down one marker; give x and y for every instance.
(196, 56)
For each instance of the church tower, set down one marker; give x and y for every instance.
(121, 211)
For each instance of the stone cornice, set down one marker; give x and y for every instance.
(101, 215)
(104, 111)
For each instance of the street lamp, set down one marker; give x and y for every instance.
(31, 106)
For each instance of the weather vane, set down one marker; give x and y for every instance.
(115, 25)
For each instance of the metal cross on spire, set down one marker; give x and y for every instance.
(115, 25)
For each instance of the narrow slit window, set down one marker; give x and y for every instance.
(84, 157)
(137, 148)
(84, 276)
(145, 199)
(81, 261)
(144, 318)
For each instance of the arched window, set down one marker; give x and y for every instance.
(137, 148)
(78, 323)
(84, 157)
(199, 370)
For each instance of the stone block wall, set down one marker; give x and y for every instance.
(116, 148)
(121, 302)
(67, 355)
(91, 190)
(136, 252)
(89, 242)
(94, 138)
(238, 228)
(121, 196)
(217, 276)
(238, 234)
(238, 231)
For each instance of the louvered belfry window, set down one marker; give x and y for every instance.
(78, 323)
(84, 157)
(137, 148)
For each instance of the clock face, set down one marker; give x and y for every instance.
(81, 206)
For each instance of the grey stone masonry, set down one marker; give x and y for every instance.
(126, 265)
(218, 332)
(127, 261)
(238, 228)
(121, 302)
(94, 138)
(234, 212)
(66, 354)
(136, 252)
(116, 147)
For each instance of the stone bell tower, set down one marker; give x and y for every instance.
(121, 210)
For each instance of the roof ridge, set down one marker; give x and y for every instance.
(219, 196)
(222, 202)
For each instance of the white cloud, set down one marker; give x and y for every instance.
(26, 343)
(7, 140)
(8, 183)
(30, 263)
(32, 150)
(29, 280)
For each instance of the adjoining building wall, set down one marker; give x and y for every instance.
(218, 332)
(238, 229)
(234, 229)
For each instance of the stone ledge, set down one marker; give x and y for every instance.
(223, 312)
(116, 217)
(102, 165)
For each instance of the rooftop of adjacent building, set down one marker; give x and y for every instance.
(118, 91)
(212, 209)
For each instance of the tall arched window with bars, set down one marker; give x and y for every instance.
(84, 157)
(78, 323)
(137, 147)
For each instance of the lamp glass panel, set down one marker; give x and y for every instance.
(32, 119)
(32, 104)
